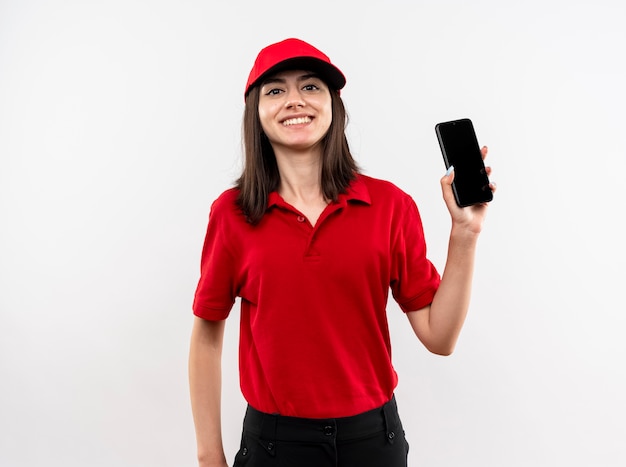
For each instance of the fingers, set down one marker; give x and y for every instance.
(492, 185)
(483, 152)
(446, 186)
(448, 178)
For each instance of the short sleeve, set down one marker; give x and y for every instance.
(217, 290)
(414, 279)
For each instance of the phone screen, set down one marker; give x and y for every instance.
(459, 147)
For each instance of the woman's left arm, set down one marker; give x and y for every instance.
(438, 325)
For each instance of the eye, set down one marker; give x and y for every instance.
(310, 87)
(273, 92)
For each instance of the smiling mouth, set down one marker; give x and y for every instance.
(297, 121)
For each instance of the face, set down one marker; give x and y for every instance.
(295, 110)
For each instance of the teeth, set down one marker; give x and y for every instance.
(296, 121)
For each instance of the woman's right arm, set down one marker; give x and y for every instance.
(205, 382)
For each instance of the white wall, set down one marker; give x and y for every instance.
(119, 124)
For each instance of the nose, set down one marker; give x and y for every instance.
(294, 99)
(294, 103)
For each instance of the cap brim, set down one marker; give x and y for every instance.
(329, 73)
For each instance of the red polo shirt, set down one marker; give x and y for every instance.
(314, 340)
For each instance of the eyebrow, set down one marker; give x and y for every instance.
(272, 80)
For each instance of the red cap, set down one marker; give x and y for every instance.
(293, 54)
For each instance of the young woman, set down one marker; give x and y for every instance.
(313, 247)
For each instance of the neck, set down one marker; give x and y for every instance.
(300, 176)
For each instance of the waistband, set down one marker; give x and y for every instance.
(282, 428)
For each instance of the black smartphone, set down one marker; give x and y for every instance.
(459, 147)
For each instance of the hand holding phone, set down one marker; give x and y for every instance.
(459, 147)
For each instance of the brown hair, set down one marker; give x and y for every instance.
(260, 172)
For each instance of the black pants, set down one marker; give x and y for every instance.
(371, 439)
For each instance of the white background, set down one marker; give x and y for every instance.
(120, 123)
